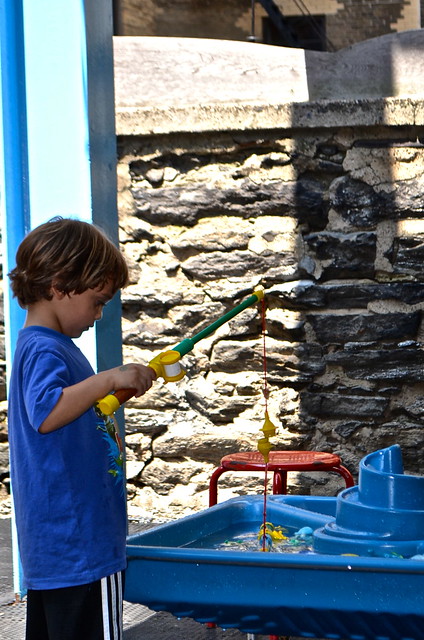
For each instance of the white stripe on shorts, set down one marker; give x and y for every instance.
(112, 606)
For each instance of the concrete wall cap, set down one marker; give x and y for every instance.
(165, 85)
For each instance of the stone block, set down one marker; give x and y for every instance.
(334, 405)
(304, 295)
(343, 255)
(339, 329)
(385, 365)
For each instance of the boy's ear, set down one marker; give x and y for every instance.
(56, 293)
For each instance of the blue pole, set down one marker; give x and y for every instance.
(15, 208)
(101, 113)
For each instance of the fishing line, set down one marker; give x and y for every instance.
(265, 394)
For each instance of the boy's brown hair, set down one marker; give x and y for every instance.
(69, 254)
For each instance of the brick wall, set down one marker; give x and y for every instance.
(347, 21)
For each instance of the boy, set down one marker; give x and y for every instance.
(66, 469)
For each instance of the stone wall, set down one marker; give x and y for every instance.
(329, 221)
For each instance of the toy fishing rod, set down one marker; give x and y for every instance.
(167, 364)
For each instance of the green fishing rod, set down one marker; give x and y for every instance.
(167, 364)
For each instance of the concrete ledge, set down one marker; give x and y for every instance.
(165, 85)
(141, 121)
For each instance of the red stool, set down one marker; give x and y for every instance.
(280, 463)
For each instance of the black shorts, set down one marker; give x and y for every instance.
(87, 612)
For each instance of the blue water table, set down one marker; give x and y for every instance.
(362, 577)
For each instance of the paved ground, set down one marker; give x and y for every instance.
(140, 623)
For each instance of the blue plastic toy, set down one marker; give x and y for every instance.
(382, 516)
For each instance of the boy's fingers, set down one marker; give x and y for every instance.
(146, 382)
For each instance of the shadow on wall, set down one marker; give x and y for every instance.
(370, 250)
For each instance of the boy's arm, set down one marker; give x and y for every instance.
(78, 398)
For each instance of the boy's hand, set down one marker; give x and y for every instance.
(77, 398)
(134, 376)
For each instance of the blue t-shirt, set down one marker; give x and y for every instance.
(68, 486)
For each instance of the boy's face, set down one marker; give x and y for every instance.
(77, 312)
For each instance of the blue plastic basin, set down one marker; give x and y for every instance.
(323, 596)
